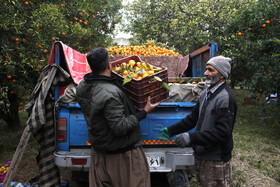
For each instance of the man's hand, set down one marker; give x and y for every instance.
(183, 140)
(149, 106)
(164, 134)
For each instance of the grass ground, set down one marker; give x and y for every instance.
(256, 154)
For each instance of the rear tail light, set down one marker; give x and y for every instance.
(62, 129)
(79, 161)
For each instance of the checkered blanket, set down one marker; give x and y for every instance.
(41, 122)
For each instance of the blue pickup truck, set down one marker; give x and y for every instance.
(73, 146)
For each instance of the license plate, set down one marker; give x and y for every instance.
(153, 161)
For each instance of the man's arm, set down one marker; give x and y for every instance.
(186, 124)
(221, 132)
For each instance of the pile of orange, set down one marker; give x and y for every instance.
(135, 70)
(141, 50)
(4, 169)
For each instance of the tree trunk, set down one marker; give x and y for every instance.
(13, 120)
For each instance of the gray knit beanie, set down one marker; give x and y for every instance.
(222, 64)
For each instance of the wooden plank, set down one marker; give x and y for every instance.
(17, 157)
(200, 50)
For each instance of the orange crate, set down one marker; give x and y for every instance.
(139, 90)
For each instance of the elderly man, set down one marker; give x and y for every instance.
(213, 116)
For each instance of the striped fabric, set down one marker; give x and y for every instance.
(16, 184)
(40, 109)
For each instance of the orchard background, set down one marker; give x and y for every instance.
(245, 30)
(27, 32)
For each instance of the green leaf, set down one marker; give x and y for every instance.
(276, 40)
(190, 80)
(126, 80)
(157, 78)
(139, 72)
(165, 85)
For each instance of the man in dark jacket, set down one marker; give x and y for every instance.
(213, 116)
(117, 156)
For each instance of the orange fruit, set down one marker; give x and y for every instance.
(93, 16)
(159, 69)
(7, 56)
(264, 25)
(124, 65)
(150, 72)
(45, 51)
(63, 33)
(144, 72)
(53, 38)
(125, 72)
(9, 76)
(145, 75)
(135, 76)
(26, 2)
(131, 62)
(14, 80)
(268, 21)
(39, 46)
(117, 69)
(61, 5)
(136, 69)
(239, 33)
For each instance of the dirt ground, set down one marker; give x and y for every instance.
(27, 168)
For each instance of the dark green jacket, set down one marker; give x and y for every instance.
(112, 124)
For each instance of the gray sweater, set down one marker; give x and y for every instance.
(214, 120)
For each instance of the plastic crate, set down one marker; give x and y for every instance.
(139, 90)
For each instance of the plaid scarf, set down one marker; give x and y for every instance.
(41, 120)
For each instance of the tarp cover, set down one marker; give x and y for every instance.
(185, 92)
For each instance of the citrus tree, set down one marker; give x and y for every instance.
(27, 32)
(254, 48)
(186, 25)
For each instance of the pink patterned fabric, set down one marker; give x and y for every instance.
(76, 62)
